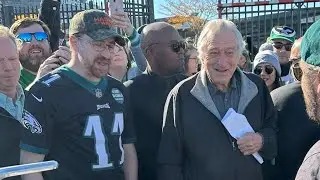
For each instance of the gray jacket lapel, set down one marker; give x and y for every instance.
(249, 90)
(201, 92)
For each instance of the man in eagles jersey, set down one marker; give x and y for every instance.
(77, 115)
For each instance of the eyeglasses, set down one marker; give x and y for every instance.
(175, 46)
(280, 45)
(27, 37)
(100, 46)
(267, 69)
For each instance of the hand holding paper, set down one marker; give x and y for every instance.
(238, 127)
(250, 143)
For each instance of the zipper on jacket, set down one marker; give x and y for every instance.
(233, 143)
(234, 146)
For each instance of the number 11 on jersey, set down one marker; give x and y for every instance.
(94, 129)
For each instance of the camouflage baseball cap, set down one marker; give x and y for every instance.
(96, 24)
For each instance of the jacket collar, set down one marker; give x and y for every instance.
(200, 91)
(15, 109)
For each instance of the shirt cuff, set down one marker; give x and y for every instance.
(129, 141)
(33, 149)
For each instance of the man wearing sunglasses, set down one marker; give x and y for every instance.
(77, 114)
(282, 38)
(35, 53)
(163, 48)
(194, 143)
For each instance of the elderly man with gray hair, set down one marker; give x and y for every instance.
(195, 144)
(11, 100)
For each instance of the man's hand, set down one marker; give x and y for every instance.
(58, 58)
(121, 20)
(64, 54)
(250, 143)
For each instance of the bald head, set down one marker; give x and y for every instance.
(164, 48)
(158, 32)
(295, 51)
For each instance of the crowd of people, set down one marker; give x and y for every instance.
(151, 105)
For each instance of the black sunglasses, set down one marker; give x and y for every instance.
(267, 69)
(280, 45)
(175, 46)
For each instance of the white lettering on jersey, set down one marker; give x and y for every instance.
(117, 95)
(94, 129)
(52, 78)
(118, 124)
(103, 106)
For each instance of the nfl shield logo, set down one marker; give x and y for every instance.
(98, 93)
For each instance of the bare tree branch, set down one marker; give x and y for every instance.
(195, 12)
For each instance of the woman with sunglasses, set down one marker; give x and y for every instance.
(266, 65)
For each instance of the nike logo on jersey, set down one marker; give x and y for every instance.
(38, 99)
(104, 106)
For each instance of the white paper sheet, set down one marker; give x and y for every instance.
(237, 125)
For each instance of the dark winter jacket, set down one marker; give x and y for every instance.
(196, 146)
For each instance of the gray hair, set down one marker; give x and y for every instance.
(216, 26)
(5, 32)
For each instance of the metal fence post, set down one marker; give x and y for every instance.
(8, 15)
(299, 5)
(1, 14)
(91, 4)
(150, 11)
(219, 9)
